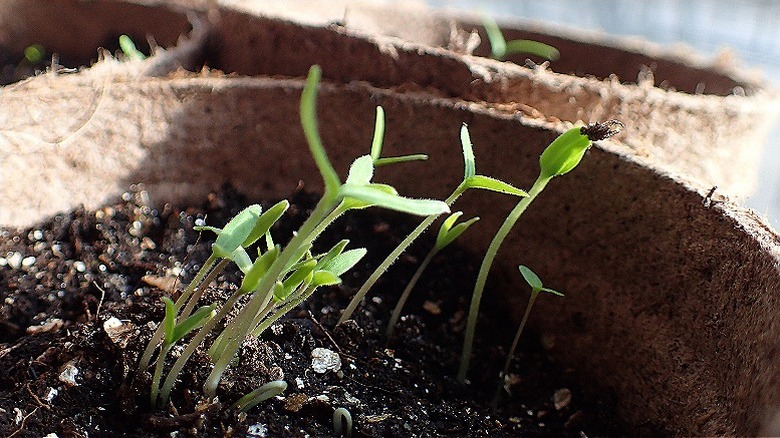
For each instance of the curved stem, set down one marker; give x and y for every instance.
(511, 353)
(405, 295)
(201, 289)
(268, 322)
(484, 269)
(158, 373)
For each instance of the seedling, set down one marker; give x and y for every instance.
(129, 49)
(279, 278)
(342, 422)
(470, 181)
(259, 395)
(500, 48)
(536, 287)
(447, 234)
(559, 158)
(34, 54)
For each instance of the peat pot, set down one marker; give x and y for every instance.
(671, 296)
(705, 118)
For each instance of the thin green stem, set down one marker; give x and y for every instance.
(393, 256)
(201, 289)
(511, 353)
(173, 374)
(407, 291)
(268, 322)
(487, 263)
(241, 325)
(158, 334)
(158, 373)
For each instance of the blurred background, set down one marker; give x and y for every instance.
(749, 28)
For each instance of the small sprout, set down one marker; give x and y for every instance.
(500, 47)
(447, 234)
(34, 54)
(342, 422)
(259, 395)
(129, 49)
(536, 287)
(559, 158)
(379, 134)
(175, 331)
(449, 231)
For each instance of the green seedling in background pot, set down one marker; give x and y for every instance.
(536, 287)
(470, 181)
(559, 158)
(447, 234)
(500, 48)
(129, 49)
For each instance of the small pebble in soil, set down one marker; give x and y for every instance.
(324, 360)
(68, 374)
(259, 430)
(562, 398)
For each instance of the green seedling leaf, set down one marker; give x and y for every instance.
(361, 171)
(379, 134)
(566, 151)
(194, 321)
(495, 37)
(253, 276)
(531, 47)
(169, 320)
(129, 49)
(236, 231)
(308, 113)
(531, 278)
(469, 161)
(401, 159)
(295, 279)
(449, 231)
(269, 241)
(241, 259)
(266, 221)
(344, 262)
(330, 255)
(380, 198)
(494, 185)
(325, 278)
(356, 204)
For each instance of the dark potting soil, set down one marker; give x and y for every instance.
(81, 296)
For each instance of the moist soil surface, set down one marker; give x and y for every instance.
(81, 297)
